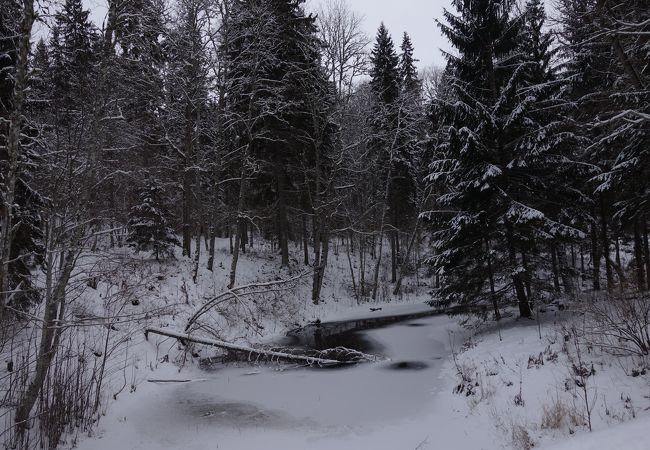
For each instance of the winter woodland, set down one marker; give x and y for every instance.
(206, 203)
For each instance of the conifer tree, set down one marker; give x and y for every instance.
(384, 70)
(134, 56)
(589, 71)
(619, 125)
(384, 123)
(185, 114)
(543, 154)
(9, 20)
(409, 80)
(149, 223)
(277, 92)
(72, 49)
(479, 248)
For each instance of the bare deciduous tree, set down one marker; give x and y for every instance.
(344, 55)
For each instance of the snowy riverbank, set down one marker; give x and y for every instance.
(514, 400)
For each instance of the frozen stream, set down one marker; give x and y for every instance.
(377, 405)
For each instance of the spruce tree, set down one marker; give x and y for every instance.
(134, 62)
(186, 116)
(544, 150)
(408, 72)
(72, 49)
(614, 34)
(479, 249)
(384, 71)
(277, 109)
(149, 223)
(590, 73)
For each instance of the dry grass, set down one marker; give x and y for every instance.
(520, 438)
(557, 415)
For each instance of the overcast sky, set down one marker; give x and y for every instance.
(417, 17)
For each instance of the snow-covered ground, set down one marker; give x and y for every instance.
(529, 392)
(366, 406)
(375, 406)
(369, 406)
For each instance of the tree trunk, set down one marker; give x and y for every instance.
(518, 282)
(317, 230)
(398, 251)
(375, 277)
(305, 240)
(646, 248)
(50, 336)
(282, 222)
(405, 257)
(271, 354)
(188, 182)
(197, 256)
(320, 265)
(393, 257)
(605, 244)
(243, 239)
(567, 278)
(527, 276)
(556, 274)
(240, 210)
(595, 255)
(573, 257)
(349, 250)
(638, 255)
(211, 247)
(382, 223)
(493, 295)
(14, 150)
(362, 266)
(230, 241)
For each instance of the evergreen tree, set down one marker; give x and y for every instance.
(135, 59)
(273, 66)
(543, 155)
(619, 127)
(482, 247)
(72, 49)
(589, 71)
(185, 114)
(384, 70)
(409, 80)
(149, 223)
(536, 45)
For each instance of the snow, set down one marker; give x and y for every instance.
(508, 367)
(629, 436)
(366, 406)
(258, 406)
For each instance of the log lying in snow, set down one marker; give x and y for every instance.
(313, 361)
(170, 381)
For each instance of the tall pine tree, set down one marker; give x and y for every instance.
(481, 249)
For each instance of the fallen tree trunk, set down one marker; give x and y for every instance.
(312, 361)
(169, 381)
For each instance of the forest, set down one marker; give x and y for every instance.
(219, 172)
